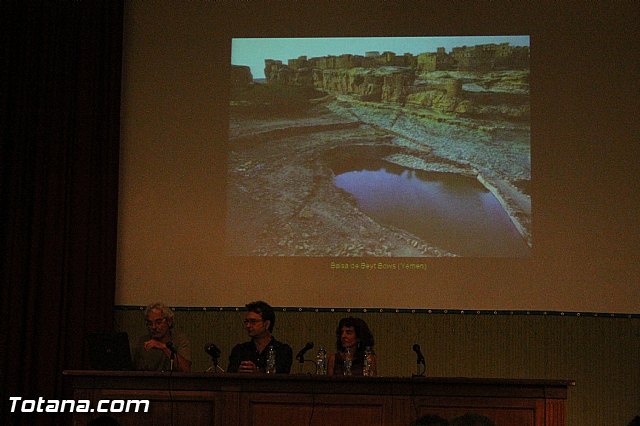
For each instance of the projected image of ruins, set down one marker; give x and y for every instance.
(380, 147)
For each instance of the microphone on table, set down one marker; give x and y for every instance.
(172, 348)
(174, 351)
(214, 352)
(300, 356)
(419, 360)
(416, 349)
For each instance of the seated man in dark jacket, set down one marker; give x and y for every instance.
(251, 357)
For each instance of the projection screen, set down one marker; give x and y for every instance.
(335, 158)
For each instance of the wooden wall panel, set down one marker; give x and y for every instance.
(318, 410)
(246, 400)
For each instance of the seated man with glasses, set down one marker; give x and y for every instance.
(164, 348)
(251, 357)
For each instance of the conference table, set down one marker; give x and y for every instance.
(305, 399)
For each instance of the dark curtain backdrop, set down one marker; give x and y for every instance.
(61, 72)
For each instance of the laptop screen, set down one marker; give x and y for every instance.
(109, 351)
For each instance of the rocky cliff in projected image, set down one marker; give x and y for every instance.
(419, 119)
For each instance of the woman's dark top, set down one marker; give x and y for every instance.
(356, 366)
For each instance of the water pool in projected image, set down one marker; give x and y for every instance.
(450, 211)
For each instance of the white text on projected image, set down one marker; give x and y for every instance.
(380, 147)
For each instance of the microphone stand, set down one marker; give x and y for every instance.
(301, 364)
(213, 351)
(215, 368)
(300, 356)
(173, 356)
(419, 360)
(301, 361)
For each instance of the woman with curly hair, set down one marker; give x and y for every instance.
(353, 337)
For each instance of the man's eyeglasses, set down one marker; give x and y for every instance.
(159, 321)
(251, 321)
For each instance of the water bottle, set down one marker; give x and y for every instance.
(321, 361)
(348, 362)
(369, 363)
(271, 360)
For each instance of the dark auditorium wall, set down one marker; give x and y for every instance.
(601, 354)
(59, 149)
